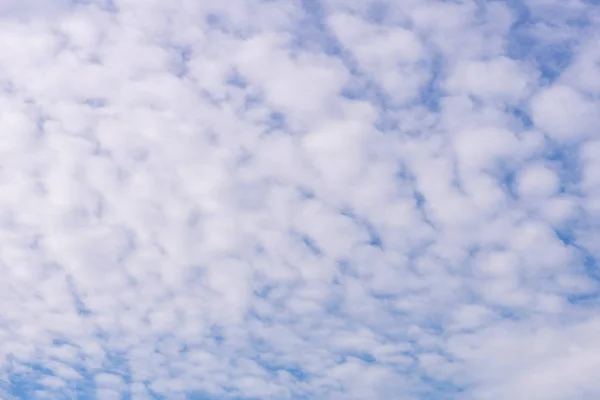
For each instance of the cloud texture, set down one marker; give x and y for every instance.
(312, 199)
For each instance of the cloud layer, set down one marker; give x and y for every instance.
(314, 199)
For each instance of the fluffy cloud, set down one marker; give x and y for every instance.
(286, 200)
(578, 116)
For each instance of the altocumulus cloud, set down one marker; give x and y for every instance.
(309, 199)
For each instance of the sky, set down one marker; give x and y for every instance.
(300, 199)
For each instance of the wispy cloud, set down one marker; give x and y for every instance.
(299, 200)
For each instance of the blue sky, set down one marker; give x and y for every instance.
(320, 199)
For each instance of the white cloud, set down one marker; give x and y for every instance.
(501, 79)
(280, 200)
(584, 71)
(393, 56)
(536, 180)
(28, 9)
(564, 113)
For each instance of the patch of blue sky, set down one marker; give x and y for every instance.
(25, 384)
(548, 55)
(28, 384)
(96, 102)
(207, 396)
(80, 305)
(311, 244)
(365, 357)
(521, 115)
(566, 159)
(312, 31)
(439, 390)
(431, 93)
(590, 265)
(180, 57)
(271, 364)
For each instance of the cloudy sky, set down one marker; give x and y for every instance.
(300, 199)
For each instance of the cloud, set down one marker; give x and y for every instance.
(536, 180)
(288, 200)
(576, 119)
